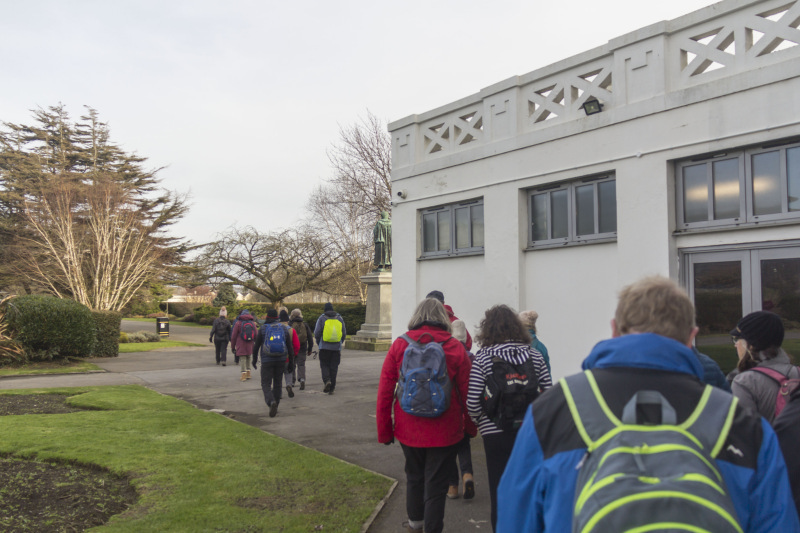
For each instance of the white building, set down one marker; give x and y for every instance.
(692, 170)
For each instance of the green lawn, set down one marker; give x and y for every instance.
(195, 470)
(53, 367)
(173, 322)
(131, 347)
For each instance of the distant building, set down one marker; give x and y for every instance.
(691, 169)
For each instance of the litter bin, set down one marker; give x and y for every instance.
(162, 326)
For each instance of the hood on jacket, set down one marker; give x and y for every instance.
(245, 316)
(331, 313)
(644, 350)
(434, 329)
(296, 319)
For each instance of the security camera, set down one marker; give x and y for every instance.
(402, 193)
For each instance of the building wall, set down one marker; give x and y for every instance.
(662, 103)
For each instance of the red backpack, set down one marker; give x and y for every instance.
(786, 386)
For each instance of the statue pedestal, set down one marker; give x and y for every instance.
(376, 333)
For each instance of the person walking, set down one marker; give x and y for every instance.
(274, 344)
(220, 336)
(645, 380)
(787, 428)
(502, 336)
(329, 333)
(306, 338)
(439, 295)
(429, 444)
(283, 318)
(528, 319)
(243, 341)
(762, 362)
(464, 458)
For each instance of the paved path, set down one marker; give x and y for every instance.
(341, 425)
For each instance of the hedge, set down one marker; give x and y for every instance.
(51, 328)
(353, 315)
(107, 327)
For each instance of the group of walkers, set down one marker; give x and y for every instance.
(282, 345)
(647, 438)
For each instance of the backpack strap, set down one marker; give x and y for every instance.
(649, 397)
(589, 410)
(771, 372)
(709, 423)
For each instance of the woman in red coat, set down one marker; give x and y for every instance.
(429, 444)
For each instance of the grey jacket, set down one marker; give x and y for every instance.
(758, 391)
(335, 346)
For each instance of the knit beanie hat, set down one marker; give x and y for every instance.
(272, 313)
(223, 311)
(283, 316)
(296, 313)
(760, 329)
(328, 307)
(528, 319)
(436, 294)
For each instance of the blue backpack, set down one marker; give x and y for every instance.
(424, 386)
(275, 339)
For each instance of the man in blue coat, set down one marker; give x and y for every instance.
(653, 330)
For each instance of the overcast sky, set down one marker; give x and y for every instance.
(240, 100)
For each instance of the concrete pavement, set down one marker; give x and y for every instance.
(341, 425)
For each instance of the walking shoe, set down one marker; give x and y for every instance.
(273, 409)
(469, 487)
(248, 374)
(452, 492)
(289, 391)
(217, 363)
(408, 527)
(327, 388)
(244, 376)
(330, 391)
(223, 364)
(302, 385)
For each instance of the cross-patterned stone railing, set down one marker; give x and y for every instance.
(723, 48)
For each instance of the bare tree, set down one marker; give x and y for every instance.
(88, 243)
(274, 265)
(347, 226)
(362, 164)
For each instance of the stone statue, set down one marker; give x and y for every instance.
(382, 236)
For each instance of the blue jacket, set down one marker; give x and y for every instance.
(537, 490)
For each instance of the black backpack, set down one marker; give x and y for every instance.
(508, 392)
(248, 331)
(221, 326)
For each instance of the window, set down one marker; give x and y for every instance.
(740, 188)
(576, 212)
(453, 229)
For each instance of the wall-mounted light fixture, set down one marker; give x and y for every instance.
(592, 106)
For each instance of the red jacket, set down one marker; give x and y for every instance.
(416, 431)
(453, 318)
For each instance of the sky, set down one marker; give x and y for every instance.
(239, 102)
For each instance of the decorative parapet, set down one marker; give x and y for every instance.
(657, 64)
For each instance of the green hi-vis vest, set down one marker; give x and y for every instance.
(647, 478)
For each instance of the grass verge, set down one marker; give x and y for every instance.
(131, 347)
(70, 366)
(195, 470)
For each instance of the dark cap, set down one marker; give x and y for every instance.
(328, 306)
(272, 313)
(283, 316)
(436, 294)
(761, 330)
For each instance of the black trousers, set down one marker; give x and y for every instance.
(427, 473)
(498, 448)
(221, 350)
(464, 461)
(329, 365)
(271, 380)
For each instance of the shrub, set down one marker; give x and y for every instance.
(107, 338)
(11, 352)
(144, 336)
(123, 337)
(50, 327)
(157, 315)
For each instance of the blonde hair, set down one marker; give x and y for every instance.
(296, 313)
(430, 310)
(655, 304)
(528, 319)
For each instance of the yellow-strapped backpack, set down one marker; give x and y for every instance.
(637, 477)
